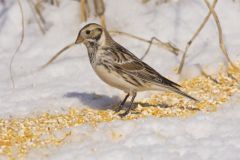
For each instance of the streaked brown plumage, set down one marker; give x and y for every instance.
(119, 68)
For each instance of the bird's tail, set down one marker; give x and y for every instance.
(177, 90)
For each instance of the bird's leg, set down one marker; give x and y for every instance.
(122, 103)
(130, 107)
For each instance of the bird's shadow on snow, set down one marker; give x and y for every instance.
(104, 102)
(94, 100)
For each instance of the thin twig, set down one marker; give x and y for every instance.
(103, 21)
(232, 77)
(83, 10)
(56, 3)
(206, 75)
(88, 9)
(148, 49)
(150, 45)
(57, 54)
(193, 38)
(100, 9)
(220, 33)
(19, 45)
(38, 11)
(166, 45)
(40, 25)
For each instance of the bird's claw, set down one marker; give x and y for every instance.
(125, 113)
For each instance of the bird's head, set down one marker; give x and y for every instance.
(91, 33)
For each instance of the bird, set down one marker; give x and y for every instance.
(120, 68)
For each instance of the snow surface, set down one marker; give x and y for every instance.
(70, 81)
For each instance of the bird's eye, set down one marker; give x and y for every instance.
(87, 32)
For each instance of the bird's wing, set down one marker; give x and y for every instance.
(130, 64)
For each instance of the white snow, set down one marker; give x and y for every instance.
(70, 81)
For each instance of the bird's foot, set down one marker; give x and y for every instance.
(125, 113)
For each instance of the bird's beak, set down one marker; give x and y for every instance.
(79, 40)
